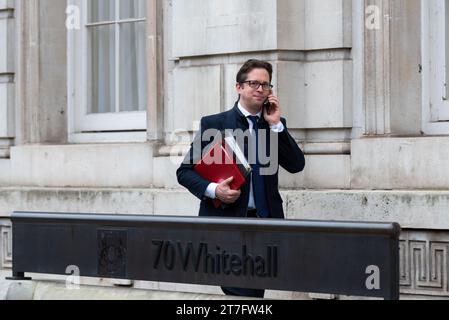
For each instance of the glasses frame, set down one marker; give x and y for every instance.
(256, 85)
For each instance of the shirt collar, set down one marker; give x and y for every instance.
(246, 113)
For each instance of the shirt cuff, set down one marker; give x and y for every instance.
(278, 127)
(210, 191)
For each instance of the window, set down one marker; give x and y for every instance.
(107, 67)
(435, 43)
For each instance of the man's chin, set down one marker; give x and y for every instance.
(257, 104)
(256, 107)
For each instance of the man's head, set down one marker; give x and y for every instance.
(254, 84)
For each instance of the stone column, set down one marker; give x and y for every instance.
(392, 60)
(155, 69)
(41, 93)
(406, 66)
(7, 75)
(377, 67)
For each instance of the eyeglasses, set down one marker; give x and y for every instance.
(256, 85)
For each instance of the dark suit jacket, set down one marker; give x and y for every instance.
(290, 158)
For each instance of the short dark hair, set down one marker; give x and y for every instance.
(252, 64)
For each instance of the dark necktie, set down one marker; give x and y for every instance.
(260, 198)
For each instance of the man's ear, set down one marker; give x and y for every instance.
(238, 88)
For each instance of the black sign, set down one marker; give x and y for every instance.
(359, 259)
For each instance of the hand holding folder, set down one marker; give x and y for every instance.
(224, 160)
(224, 191)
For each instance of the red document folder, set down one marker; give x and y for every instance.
(220, 167)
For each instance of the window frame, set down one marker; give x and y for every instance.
(435, 68)
(105, 127)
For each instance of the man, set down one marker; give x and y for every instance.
(259, 197)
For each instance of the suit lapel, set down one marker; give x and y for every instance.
(237, 120)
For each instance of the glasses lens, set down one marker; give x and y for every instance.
(254, 84)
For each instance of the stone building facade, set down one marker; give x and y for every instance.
(362, 85)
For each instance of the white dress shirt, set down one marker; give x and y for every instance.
(210, 191)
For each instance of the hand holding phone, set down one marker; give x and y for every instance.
(272, 110)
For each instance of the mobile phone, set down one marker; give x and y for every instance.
(267, 106)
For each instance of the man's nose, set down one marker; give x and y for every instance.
(260, 89)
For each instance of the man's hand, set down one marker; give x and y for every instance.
(225, 193)
(274, 115)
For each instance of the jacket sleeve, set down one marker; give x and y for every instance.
(291, 158)
(186, 174)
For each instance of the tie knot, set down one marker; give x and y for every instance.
(254, 119)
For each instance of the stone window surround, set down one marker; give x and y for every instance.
(434, 55)
(154, 84)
